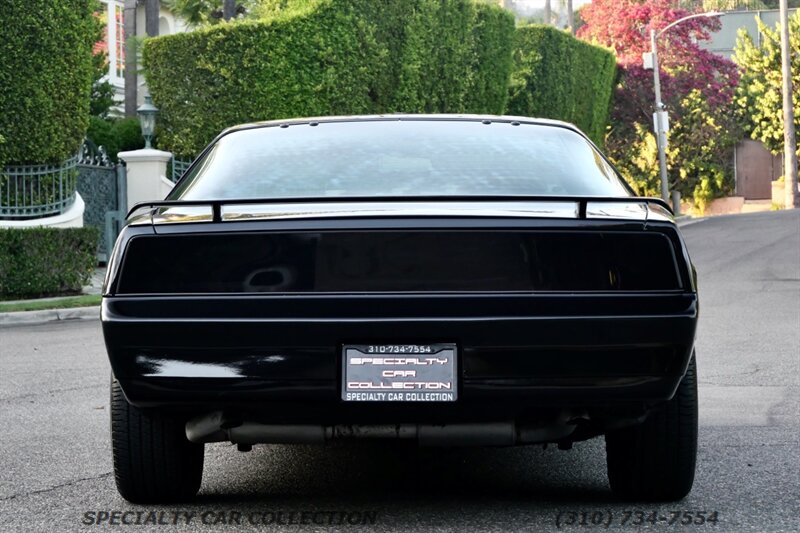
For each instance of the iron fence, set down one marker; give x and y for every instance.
(101, 185)
(37, 191)
(179, 167)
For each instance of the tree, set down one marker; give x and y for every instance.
(152, 10)
(570, 17)
(200, 12)
(228, 9)
(698, 89)
(758, 97)
(579, 22)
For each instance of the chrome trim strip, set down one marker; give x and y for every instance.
(183, 214)
(659, 213)
(618, 210)
(140, 219)
(406, 209)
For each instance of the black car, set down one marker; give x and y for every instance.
(456, 280)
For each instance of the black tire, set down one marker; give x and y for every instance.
(154, 462)
(655, 460)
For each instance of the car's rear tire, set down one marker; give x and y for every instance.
(655, 460)
(153, 460)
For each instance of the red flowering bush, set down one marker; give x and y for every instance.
(697, 88)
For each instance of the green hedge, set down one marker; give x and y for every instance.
(312, 60)
(325, 57)
(329, 57)
(46, 261)
(45, 78)
(493, 36)
(560, 77)
(436, 67)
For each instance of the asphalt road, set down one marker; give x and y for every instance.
(55, 460)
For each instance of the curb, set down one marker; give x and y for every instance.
(689, 221)
(49, 315)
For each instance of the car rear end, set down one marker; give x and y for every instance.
(450, 319)
(592, 316)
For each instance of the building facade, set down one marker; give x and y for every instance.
(723, 42)
(123, 19)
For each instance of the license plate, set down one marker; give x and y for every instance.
(399, 372)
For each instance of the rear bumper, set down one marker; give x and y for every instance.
(278, 358)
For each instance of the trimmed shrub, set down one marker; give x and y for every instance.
(387, 22)
(329, 57)
(38, 262)
(493, 36)
(558, 76)
(339, 57)
(315, 59)
(45, 78)
(436, 66)
(116, 135)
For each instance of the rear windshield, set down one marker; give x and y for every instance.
(400, 158)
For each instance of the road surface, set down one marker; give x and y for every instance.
(55, 466)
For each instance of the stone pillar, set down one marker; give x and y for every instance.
(146, 175)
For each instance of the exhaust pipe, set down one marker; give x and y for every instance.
(215, 427)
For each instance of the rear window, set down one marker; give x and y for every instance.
(400, 158)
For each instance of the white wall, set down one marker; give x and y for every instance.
(71, 218)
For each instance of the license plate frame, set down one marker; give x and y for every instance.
(421, 373)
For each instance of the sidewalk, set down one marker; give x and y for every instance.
(95, 286)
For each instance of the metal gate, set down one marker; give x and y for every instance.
(101, 184)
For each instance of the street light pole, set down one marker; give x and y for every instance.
(791, 199)
(661, 134)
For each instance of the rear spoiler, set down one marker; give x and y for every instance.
(376, 206)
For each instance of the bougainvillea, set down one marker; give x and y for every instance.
(697, 88)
